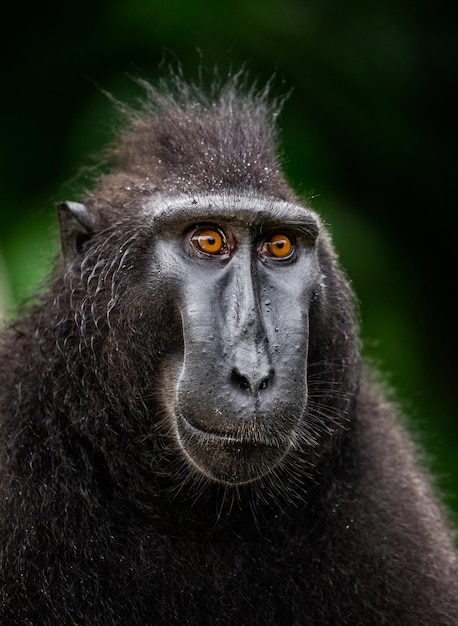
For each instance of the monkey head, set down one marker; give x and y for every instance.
(201, 296)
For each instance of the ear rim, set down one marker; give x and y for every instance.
(75, 221)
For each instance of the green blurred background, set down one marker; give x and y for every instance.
(369, 129)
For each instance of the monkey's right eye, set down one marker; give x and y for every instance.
(210, 241)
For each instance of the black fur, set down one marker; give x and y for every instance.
(103, 522)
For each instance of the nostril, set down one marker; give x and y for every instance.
(239, 380)
(244, 383)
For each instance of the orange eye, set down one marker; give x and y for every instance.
(278, 246)
(210, 241)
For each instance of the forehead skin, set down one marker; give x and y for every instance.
(246, 210)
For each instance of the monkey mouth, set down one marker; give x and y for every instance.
(232, 459)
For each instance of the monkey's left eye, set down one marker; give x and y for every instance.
(278, 246)
(210, 241)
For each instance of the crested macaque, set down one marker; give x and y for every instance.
(189, 434)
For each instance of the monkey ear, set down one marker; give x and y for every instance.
(77, 226)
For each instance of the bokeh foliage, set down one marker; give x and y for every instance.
(369, 132)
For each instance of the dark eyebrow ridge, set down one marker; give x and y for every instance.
(266, 219)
